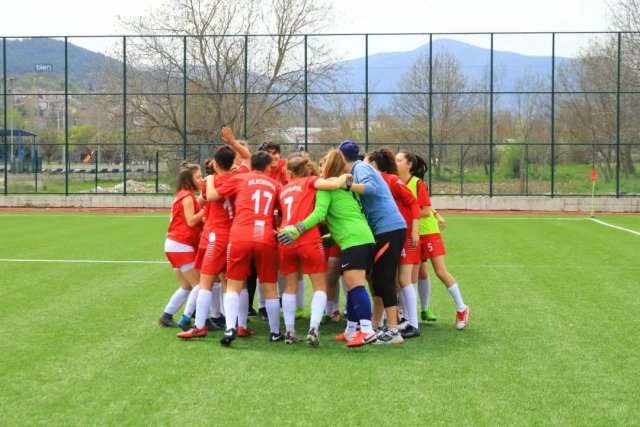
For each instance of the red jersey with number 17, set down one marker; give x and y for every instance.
(256, 197)
(297, 201)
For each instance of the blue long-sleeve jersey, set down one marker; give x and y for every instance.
(377, 202)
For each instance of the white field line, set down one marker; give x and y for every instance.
(637, 233)
(82, 261)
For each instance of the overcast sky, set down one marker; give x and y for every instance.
(22, 18)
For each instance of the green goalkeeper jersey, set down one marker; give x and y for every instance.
(343, 213)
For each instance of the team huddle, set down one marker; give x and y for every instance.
(256, 218)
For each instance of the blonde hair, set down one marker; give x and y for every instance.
(334, 164)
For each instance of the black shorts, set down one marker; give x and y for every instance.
(386, 261)
(356, 258)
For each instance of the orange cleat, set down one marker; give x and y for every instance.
(193, 333)
(362, 338)
(245, 332)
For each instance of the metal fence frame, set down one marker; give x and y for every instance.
(306, 93)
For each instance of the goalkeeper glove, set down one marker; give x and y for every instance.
(288, 235)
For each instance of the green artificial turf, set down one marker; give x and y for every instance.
(552, 338)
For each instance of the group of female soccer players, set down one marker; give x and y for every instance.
(257, 212)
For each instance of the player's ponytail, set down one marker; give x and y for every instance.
(418, 165)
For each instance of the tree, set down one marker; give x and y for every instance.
(216, 78)
(49, 141)
(449, 104)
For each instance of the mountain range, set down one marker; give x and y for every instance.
(45, 55)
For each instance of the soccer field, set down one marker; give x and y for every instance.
(552, 338)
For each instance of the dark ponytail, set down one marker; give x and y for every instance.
(418, 166)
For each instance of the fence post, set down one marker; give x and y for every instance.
(491, 120)
(124, 109)
(67, 161)
(618, 78)
(553, 113)
(4, 113)
(430, 156)
(157, 170)
(366, 92)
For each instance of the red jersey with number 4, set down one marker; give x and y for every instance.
(297, 201)
(179, 231)
(256, 198)
(407, 203)
(220, 213)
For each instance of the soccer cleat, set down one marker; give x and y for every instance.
(344, 337)
(220, 322)
(312, 337)
(262, 313)
(245, 332)
(428, 315)
(389, 337)
(291, 338)
(361, 338)
(166, 321)
(228, 337)
(410, 332)
(252, 312)
(276, 337)
(462, 319)
(193, 333)
(209, 325)
(403, 323)
(185, 322)
(335, 317)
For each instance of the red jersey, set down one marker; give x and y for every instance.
(407, 203)
(242, 169)
(278, 173)
(297, 201)
(256, 198)
(179, 231)
(423, 194)
(219, 216)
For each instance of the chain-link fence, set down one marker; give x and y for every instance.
(493, 114)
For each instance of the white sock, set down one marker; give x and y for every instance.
(273, 312)
(191, 301)
(351, 328)
(176, 301)
(222, 310)
(231, 302)
(260, 294)
(424, 290)
(401, 305)
(215, 300)
(300, 294)
(411, 305)
(328, 308)
(289, 311)
(365, 325)
(318, 302)
(243, 308)
(202, 307)
(457, 297)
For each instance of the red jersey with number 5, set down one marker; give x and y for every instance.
(297, 201)
(256, 198)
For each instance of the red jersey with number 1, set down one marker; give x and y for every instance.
(220, 213)
(256, 198)
(297, 201)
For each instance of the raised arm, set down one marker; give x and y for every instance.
(242, 151)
